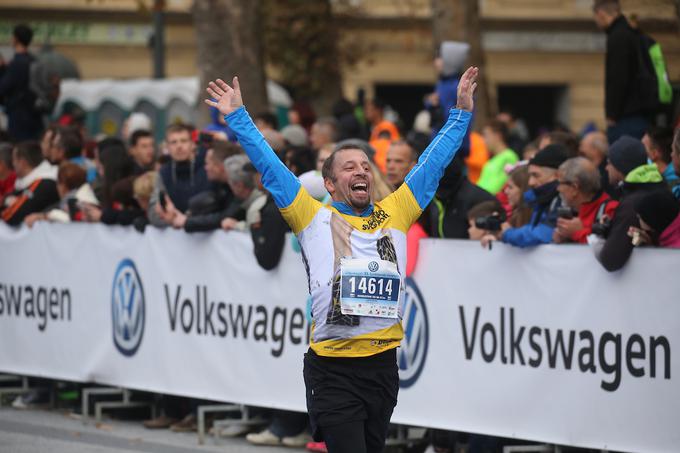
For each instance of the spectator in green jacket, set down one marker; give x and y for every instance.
(493, 176)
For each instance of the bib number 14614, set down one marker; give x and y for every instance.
(371, 286)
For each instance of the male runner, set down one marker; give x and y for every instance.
(354, 252)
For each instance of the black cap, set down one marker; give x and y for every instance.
(626, 154)
(552, 156)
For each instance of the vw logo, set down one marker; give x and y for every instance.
(373, 266)
(127, 308)
(413, 351)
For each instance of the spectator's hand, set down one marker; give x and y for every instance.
(504, 226)
(168, 214)
(92, 213)
(466, 89)
(224, 98)
(228, 223)
(567, 227)
(35, 217)
(180, 220)
(556, 238)
(487, 240)
(639, 236)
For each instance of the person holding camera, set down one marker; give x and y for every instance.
(485, 218)
(586, 204)
(628, 169)
(543, 198)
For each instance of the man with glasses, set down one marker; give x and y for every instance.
(579, 187)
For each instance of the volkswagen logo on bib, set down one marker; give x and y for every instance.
(373, 266)
(127, 308)
(413, 351)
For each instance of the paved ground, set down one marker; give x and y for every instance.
(42, 431)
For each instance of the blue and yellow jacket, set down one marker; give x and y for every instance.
(329, 233)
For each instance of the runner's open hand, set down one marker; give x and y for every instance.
(225, 98)
(466, 89)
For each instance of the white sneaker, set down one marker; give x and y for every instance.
(265, 437)
(298, 441)
(18, 403)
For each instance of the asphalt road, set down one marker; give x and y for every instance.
(42, 431)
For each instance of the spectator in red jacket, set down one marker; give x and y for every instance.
(35, 187)
(7, 174)
(579, 187)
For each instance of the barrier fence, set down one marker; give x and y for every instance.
(538, 344)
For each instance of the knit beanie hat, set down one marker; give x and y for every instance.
(552, 156)
(453, 55)
(658, 209)
(626, 154)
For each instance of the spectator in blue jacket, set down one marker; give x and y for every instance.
(543, 197)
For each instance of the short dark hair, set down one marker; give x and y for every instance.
(662, 140)
(23, 34)
(29, 151)
(414, 152)
(6, 154)
(222, 149)
(299, 159)
(485, 208)
(568, 139)
(139, 133)
(71, 142)
(268, 118)
(608, 6)
(178, 127)
(327, 169)
(499, 127)
(71, 175)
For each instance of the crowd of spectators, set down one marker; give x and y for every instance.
(557, 187)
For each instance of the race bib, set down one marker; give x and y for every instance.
(369, 287)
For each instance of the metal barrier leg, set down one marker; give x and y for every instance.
(16, 390)
(95, 391)
(213, 408)
(125, 403)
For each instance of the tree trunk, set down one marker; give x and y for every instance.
(459, 20)
(302, 44)
(229, 43)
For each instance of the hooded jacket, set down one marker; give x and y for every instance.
(618, 247)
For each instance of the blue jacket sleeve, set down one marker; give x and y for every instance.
(276, 178)
(528, 235)
(423, 179)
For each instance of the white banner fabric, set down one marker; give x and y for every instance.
(538, 344)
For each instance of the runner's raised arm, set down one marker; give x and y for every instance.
(276, 177)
